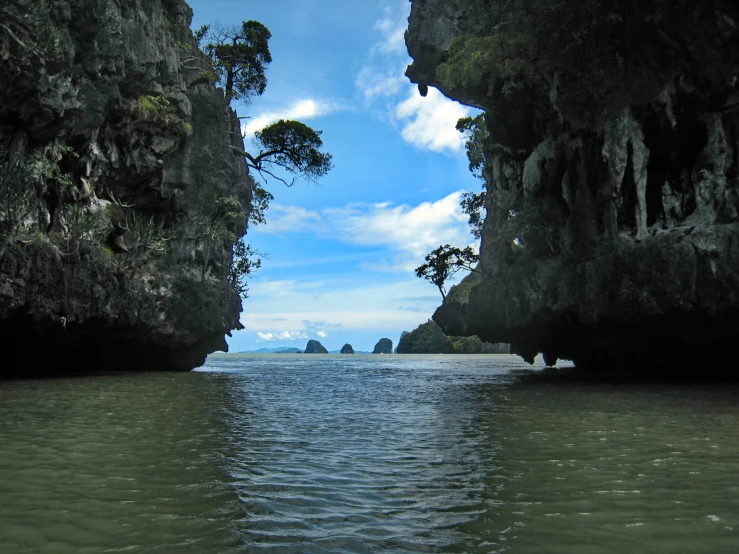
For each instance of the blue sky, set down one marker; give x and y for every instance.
(340, 255)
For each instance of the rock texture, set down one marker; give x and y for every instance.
(127, 198)
(347, 349)
(383, 346)
(315, 347)
(612, 175)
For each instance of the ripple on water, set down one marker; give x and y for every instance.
(365, 454)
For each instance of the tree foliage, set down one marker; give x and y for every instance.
(239, 57)
(221, 227)
(475, 132)
(473, 205)
(259, 203)
(444, 262)
(291, 146)
(244, 262)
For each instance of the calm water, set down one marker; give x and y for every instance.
(366, 454)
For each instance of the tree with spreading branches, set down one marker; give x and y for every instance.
(239, 57)
(291, 146)
(444, 262)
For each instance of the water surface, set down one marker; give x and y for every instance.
(360, 453)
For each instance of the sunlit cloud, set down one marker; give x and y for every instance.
(285, 335)
(427, 123)
(305, 329)
(413, 229)
(300, 110)
(430, 122)
(409, 232)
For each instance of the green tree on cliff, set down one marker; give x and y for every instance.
(239, 57)
(475, 132)
(444, 262)
(292, 146)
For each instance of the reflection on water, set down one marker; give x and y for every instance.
(366, 454)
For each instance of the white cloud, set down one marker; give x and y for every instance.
(302, 110)
(284, 219)
(392, 27)
(310, 329)
(383, 74)
(374, 82)
(404, 228)
(285, 335)
(410, 232)
(426, 123)
(430, 122)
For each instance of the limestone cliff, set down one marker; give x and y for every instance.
(122, 198)
(612, 175)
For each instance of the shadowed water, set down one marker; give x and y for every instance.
(366, 454)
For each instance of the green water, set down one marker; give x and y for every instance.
(366, 454)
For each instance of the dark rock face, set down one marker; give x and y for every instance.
(117, 152)
(315, 347)
(383, 346)
(347, 349)
(612, 234)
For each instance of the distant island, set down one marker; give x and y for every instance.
(296, 350)
(383, 346)
(428, 338)
(283, 350)
(315, 347)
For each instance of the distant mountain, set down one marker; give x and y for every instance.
(283, 350)
(356, 352)
(383, 346)
(315, 347)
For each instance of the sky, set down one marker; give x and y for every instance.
(340, 255)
